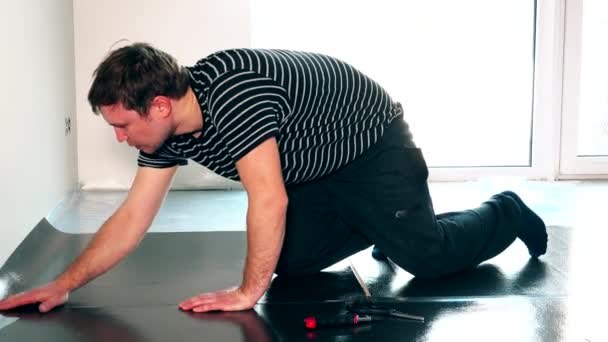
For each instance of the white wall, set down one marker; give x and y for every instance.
(187, 29)
(38, 165)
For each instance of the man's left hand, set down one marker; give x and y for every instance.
(233, 299)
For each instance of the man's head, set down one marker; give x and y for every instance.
(133, 89)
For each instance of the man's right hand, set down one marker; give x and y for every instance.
(114, 240)
(49, 296)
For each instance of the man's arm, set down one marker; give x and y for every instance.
(260, 173)
(267, 207)
(118, 236)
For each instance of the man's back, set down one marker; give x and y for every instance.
(322, 111)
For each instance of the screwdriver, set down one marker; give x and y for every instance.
(313, 322)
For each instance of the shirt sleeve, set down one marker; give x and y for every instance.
(247, 109)
(157, 161)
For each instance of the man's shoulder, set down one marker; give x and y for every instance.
(207, 69)
(243, 54)
(220, 55)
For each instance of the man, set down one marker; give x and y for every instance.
(326, 158)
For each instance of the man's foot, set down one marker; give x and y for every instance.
(378, 254)
(532, 229)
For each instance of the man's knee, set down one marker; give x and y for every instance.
(426, 260)
(432, 267)
(286, 269)
(425, 273)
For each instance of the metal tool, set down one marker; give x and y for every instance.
(369, 308)
(352, 319)
(360, 311)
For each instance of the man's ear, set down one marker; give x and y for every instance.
(160, 107)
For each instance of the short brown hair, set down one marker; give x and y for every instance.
(133, 75)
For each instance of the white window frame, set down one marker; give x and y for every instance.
(554, 122)
(572, 165)
(546, 109)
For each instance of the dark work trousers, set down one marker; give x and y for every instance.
(382, 198)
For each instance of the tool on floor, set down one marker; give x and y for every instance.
(314, 322)
(360, 311)
(367, 306)
(360, 281)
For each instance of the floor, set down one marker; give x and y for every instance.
(199, 245)
(567, 203)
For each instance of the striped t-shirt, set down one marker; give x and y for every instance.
(322, 112)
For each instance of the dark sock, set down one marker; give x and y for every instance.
(532, 230)
(378, 254)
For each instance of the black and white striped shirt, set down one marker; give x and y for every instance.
(322, 112)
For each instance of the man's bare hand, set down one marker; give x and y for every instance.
(49, 296)
(233, 299)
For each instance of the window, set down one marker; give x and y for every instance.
(464, 70)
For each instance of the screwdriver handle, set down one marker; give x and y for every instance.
(313, 322)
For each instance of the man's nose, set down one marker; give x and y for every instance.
(120, 134)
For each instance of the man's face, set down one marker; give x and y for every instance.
(144, 133)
